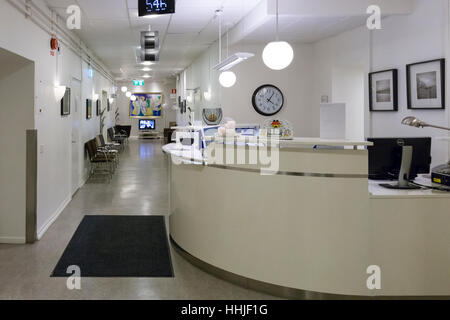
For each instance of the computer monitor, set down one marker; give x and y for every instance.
(385, 157)
(147, 125)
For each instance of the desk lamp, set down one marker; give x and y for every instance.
(440, 174)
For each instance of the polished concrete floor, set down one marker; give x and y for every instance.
(139, 187)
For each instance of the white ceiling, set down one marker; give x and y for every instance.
(114, 33)
(111, 28)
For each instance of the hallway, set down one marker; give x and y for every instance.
(139, 187)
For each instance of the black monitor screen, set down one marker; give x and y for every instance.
(150, 7)
(147, 125)
(385, 157)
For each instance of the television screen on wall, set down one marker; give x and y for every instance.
(147, 125)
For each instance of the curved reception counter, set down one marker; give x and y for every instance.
(300, 221)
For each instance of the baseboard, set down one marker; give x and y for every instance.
(58, 212)
(53, 218)
(12, 240)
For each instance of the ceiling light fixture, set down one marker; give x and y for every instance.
(146, 76)
(124, 89)
(147, 63)
(146, 69)
(227, 79)
(133, 98)
(233, 60)
(128, 94)
(278, 55)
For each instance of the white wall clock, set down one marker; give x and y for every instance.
(268, 100)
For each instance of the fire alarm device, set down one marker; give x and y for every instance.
(54, 44)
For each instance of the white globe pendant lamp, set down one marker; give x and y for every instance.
(124, 89)
(133, 98)
(128, 94)
(278, 55)
(227, 79)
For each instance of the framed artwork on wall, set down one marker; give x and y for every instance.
(99, 107)
(383, 90)
(88, 109)
(147, 105)
(426, 85)
(65, 103)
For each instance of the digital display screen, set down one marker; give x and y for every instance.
(147, 125)
(149, 7)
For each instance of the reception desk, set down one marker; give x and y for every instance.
(312, 228)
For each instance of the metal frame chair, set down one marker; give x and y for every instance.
(100, 162)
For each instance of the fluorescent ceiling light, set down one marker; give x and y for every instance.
(233, 60)
(146, 69)
(147, 63)
(146, 76)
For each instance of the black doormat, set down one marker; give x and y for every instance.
(118, 246)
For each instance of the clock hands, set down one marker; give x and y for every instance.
(270, 99)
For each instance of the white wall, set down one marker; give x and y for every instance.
(404, 39)
(21, 36)
(295, 83)
(420, 36)
(123, 103)
(348, 87)
(340, 66)
(16, 116)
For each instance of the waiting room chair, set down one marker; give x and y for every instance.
(113, 154)
(116, 138)
(101, 163)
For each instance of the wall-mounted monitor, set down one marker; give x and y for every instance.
(156, 7)
(65, 103)
(88, 109)
(147, 125)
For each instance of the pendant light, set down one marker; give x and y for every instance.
(227, 79)
(278, 55)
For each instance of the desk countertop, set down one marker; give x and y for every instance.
(378, 192)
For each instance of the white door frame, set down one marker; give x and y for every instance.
(77, 140)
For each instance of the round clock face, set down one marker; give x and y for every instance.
(268, 100)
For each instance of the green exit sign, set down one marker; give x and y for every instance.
(138, 83)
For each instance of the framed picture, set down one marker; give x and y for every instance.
(426, 84)
(147, 105)
(88, 109)
(65, 103)
(383, 90)
(99, 107)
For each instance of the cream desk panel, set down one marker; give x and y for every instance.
(352, 163)
(302, 232)
(410, 241)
